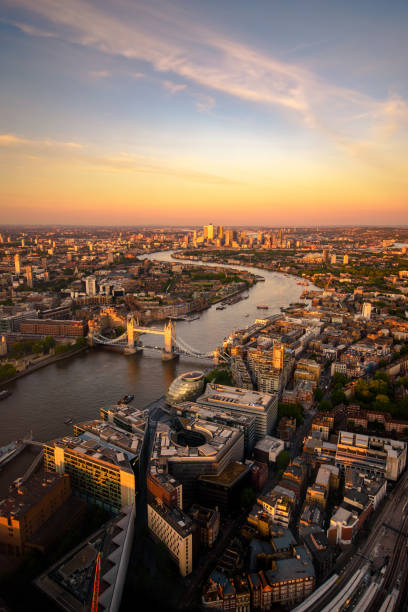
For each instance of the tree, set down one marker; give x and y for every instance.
(339, 379)
(49, 342)
(282, 460)
(318, 394)
(7, 371)
(291, 410)
(247, 497)
(338, 397)
(325, 405)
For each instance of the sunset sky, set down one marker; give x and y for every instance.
(225, 111)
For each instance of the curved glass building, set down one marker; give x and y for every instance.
(186, 387)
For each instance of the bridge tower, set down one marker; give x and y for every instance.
(130, 328)
(132, 335)
(169, 341)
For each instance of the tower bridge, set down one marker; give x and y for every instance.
(174, 346)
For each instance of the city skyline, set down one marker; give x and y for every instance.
(145, 113)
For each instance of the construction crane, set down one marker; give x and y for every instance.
(95, 596)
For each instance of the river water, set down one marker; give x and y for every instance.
(80, 386)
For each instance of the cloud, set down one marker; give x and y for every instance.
(205, 103)
(174, 87)
(176, 44)
(71, 154)
(100, 74)
(15, 141)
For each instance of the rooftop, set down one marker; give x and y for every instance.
(70, 581)
(89, 445)
(100, 430)
(236, 397)
(229, 476)
(21, 498)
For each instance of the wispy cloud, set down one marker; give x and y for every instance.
(100, 74)
(175, 44)
(71, 154)
(205, 103)
(174, 87)
(16, 141)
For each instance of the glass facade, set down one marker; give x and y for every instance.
(186, 387)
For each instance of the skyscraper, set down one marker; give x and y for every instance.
(366, 311)
(17, 266)
(29, 276)
(220, 231)
(90, 283)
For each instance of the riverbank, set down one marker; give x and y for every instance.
(45, 362)
(179, 255)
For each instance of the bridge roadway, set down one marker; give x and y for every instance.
(391, 513)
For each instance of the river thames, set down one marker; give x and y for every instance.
(80, 386)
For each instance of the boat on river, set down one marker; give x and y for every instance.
(4, 393)
(262, 306)
(8, 452)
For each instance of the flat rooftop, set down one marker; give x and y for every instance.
(229, 476)
(70, 581)
(108, 433)
(88, 445)
(214, 412)
(20, 499)
(235, 397)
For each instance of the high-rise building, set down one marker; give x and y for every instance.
(229, 237)
(333, 260)
(29, 276)
(264, 406)
(100, 472)
(345, 260)
(17, 266)
(278, 355)
(177, 531)
(3, 346)
(220, 232)
(210, 231)
(90, 283)
(366, 311)
(27, 507)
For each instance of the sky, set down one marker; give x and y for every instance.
(188, 112)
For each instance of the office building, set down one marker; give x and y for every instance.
(243, 422)
(192, 447)
(100, 472)
(223, 490)
(307, 369)
(27, 507)
(131, 442)
(3, 346)
(29, 276)
(90, 285)
(70, 582)
(54, 328)
(371, 454)
(268, 449)
(264, 406)
(208, 521)
(17, 266)
(178, 533)
(187, 386)
(366, 310)
(126, 417)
